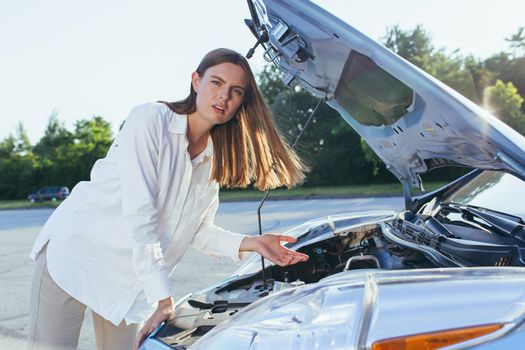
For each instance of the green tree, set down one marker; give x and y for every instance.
(505, 102)
(52, 154)
(481, 76)
(517, 40)
(329, 146)
(16, 164)
(55, 136)
(91, 141)
(510, 67)
(413, 45)
(22, 143)
(451, 69)
(270, 83)
(7, 185)
(64, 157)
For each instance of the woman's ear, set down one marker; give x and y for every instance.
(195, 80)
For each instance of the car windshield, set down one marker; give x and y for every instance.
(493, 190)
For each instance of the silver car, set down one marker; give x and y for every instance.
(445, 272)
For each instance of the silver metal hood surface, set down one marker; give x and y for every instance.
(411, 120)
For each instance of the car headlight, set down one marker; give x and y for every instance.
(304, 317)
(349, 311)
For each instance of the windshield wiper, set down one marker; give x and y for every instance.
(506, 224)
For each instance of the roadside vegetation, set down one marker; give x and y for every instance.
(24, 204)
(340, 162)
(393, 189)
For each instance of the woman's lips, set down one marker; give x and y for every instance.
(218, 109)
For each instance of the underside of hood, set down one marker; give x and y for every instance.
(411, 120)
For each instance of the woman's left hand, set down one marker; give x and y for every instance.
(269, 246)
(163, 313)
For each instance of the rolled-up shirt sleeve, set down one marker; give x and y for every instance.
(137, 146)
(214, 240)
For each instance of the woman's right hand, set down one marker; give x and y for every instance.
(163, 313)
(269, 245)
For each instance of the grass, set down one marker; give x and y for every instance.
(251, 194)
(323, 192)
(23, 204)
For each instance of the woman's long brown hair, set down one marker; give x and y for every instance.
(248, 148)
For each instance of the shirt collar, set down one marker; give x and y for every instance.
(178, 124)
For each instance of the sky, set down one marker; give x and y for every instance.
(85, 58)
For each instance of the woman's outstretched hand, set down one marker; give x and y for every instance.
(163, 313)
(269, 246)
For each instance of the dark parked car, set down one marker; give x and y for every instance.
(49, 193)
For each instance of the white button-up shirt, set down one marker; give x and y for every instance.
(114, 241)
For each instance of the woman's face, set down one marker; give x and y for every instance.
(220, 92)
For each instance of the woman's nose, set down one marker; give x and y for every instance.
(223, 94)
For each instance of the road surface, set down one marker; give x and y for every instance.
(18, 229)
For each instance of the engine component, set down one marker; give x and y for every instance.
(362, 262)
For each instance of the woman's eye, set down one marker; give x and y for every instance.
(238, 92)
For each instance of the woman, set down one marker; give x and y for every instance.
(112, 243)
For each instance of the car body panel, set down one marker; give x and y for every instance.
(514, 340)
(439, 127)
(354, 309)
(361, 306)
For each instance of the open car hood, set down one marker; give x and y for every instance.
(411, 120)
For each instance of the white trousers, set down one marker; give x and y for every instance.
(56, 318)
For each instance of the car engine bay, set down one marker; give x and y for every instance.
(364, 247)
(403, 241)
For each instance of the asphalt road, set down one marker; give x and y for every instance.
(18, 229)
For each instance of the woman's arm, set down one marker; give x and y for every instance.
(137, 149)
(216, 241)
